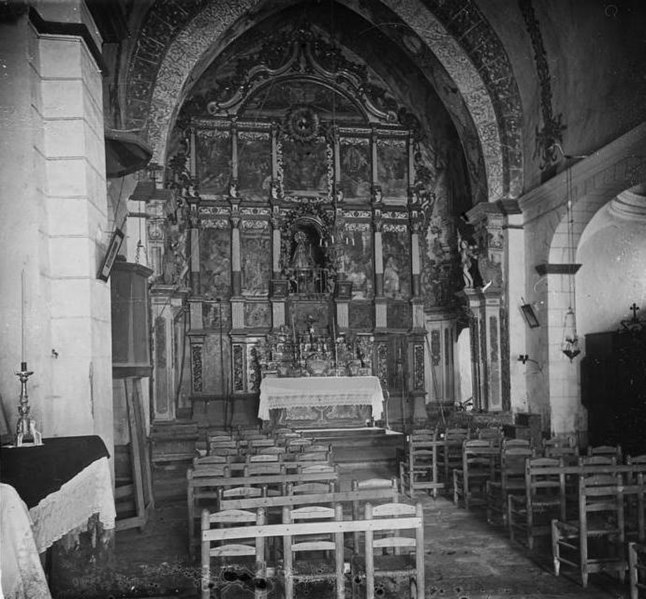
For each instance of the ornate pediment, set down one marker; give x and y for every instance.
(300, 55)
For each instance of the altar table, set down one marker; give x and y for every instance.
(319, 392)
(63, 483)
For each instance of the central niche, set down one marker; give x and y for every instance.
(307, 268)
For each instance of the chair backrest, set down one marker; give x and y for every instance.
(607, 450)
(455, 434)
(601, 493)
(209, 471)
(274, 450)
(509, 443)
(313, 456)
(298, 444)
(253, 546)
(261, 442)
(597, 460)
(491, 433)
(309, 468)
(311, 488)
(241, 493)
(263, 457)
(260, 468)
(210, 460)
(512, 462)
(312, 513)
(393, 538)
(226, 451)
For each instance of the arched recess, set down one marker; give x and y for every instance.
(594, 182)
(487, 115)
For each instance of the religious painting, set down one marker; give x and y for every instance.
(213, 161)
(356, 261)
(307, 314)
(355, 168)
(398, 316)
(256, 263)
(216, 315)
(257, 315)
(305, 165)
(396, 257)
(215, 262)
(361, 316)
(392, 167)
(254, 164)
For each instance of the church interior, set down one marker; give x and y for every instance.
(391, 252)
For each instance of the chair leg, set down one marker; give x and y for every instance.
(555, 549)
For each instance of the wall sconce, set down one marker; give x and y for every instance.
(524, 358)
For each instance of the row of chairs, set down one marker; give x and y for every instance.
(315, 553)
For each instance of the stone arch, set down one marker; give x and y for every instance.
(595, 181)
(491, 97)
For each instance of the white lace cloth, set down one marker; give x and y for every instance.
(320, 391)
(88, 493)
(21, 571)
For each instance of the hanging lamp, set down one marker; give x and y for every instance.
(570, 344)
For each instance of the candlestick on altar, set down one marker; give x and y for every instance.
(25, 427)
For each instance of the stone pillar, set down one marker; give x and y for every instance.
(58, 230)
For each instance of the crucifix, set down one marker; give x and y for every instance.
(634, 309)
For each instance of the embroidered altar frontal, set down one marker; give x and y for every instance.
(321, 401)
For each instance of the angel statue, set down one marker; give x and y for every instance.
(467, 253)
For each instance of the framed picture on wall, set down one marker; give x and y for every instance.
(110, 255)
(530, 316)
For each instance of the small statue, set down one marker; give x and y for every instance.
(467, 253)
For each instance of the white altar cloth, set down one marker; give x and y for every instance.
(320, 391)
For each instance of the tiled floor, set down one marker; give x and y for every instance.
(466, 559)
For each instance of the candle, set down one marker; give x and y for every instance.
(22, 319)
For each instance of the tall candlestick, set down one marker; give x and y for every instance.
(22, 316)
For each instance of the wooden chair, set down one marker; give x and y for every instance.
(371, 483)
(635, 497)
(450, 452)
(261, 468)
(511, 480)
(637, 570)
(313, 568)
(202, 492)
(478, 466)
(418, 467)
(561, 447)
(543, 500)
(595, 542)
(231, 565)
(391, 555)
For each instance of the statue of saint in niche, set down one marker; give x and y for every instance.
(391, 278)
(302, 258)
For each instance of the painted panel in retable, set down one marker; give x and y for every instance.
(392, 167)
(355, 168)
(213, 161)
(256, 264)
(305, 165)
(215, 262)
(254, 164)
(356, 262)
(396, 253)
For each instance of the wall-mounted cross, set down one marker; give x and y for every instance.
(634, 309)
